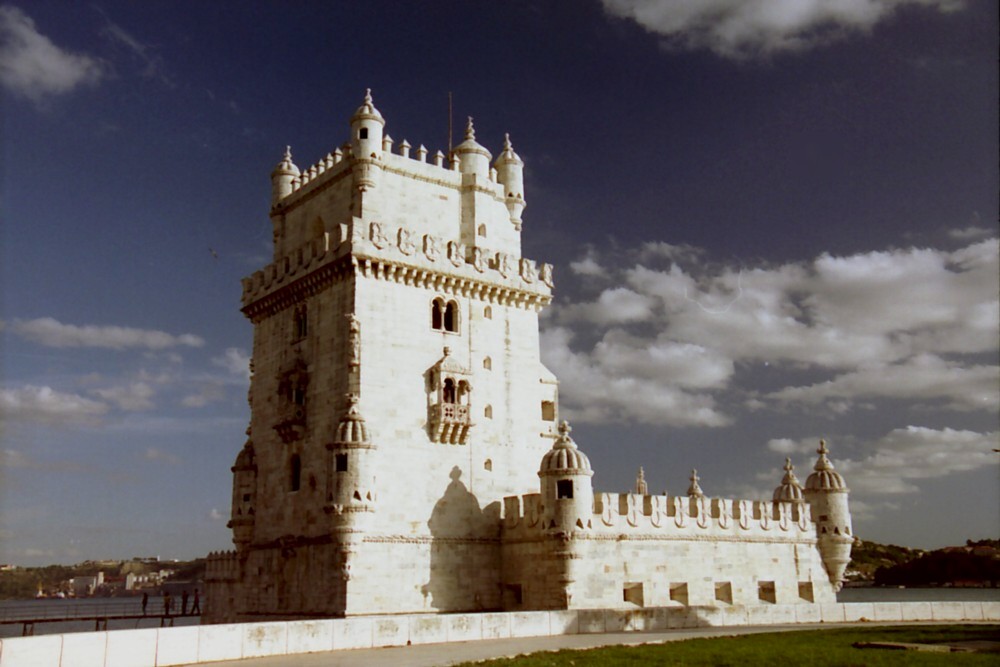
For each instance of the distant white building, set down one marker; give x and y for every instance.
(403, 453)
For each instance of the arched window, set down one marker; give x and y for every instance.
(448, 394)
(488, 312)
(482, 230)
(294, 473)
(451, 317)
(463, 392)
(488, 412)
(488, 364)
(437, 313)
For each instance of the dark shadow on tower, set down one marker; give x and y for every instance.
(465, 551)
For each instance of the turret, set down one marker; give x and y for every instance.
(351, 470)
(567, 493)
(826, 492)
(367, 125)
(789, 491)
(472, 157)
(243, 517)
(510, 173)
(281, 178)
(640, 483)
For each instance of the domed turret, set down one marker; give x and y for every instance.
(826, 492)
(367, 126)
(567, 493)
(789, 491)
(243, 515)
(472, 157)
(351, 468)
(510, 173)
(281, 178)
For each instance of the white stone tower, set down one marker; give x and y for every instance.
(826, 492)
(398, 292)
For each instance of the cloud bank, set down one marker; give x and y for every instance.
(52, 333)
(742, 29)
(667, 337)
(31, 66)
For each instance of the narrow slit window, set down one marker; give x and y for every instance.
(295, 473)
(340, 462)
(451, 317)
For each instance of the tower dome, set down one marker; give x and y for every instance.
(352, 429)
(473, 158)
(281, 178)
(789, 491)
(367, 110)
(565, 457)
(824, 477)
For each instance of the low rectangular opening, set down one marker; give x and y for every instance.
(633, 593)
(806, 591)
(679, 593)
(513, 595)
(724, 592)
(766, 592)
(340, 462)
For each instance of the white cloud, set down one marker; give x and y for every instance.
(136, 396)
(52, 333)
(154, 454)
(906, 455)
(209, 393)
(46, 405)
(741, 29)
(31, 66)
(872, 325)
(215, 515)
(234, 360)
(591, 389)
(922, 378)
(970, 233)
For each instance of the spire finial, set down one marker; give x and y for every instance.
(788, 465)
(288, 152)
(447, 350)
(640, 483)
(822, 448)
(694, 490)
(352, 399)
(368, 95)
(564, 428)
(470, 131)
(506, 142)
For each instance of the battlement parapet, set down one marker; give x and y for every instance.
(631, 512)
(443, 171)
(414, 259)
(222, 566)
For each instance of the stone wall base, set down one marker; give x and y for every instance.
(199, 644)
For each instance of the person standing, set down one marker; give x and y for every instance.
(196, 605)
(145, 601)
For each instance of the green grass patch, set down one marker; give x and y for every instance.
(820, 648)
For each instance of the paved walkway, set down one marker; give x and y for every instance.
(439, 655)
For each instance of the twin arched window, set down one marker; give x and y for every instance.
(444, 315)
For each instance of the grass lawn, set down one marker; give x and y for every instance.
(808, 647)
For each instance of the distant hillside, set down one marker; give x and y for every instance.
(975, 564)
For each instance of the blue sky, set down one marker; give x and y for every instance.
(771, 222)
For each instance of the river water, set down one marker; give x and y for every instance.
(39, 608)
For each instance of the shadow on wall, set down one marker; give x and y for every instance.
(465, 551)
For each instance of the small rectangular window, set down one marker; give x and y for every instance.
(246, 497)
(548, 411)
(679, 593)
(766, 592)
(564, 488)
(724, 592)
(340, 461)
(633, 593)
(806, 591)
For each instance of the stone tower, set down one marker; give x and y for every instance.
(397, 391)
(826, 492)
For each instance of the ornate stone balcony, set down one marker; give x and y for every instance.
(450, 423)
(291, 424)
